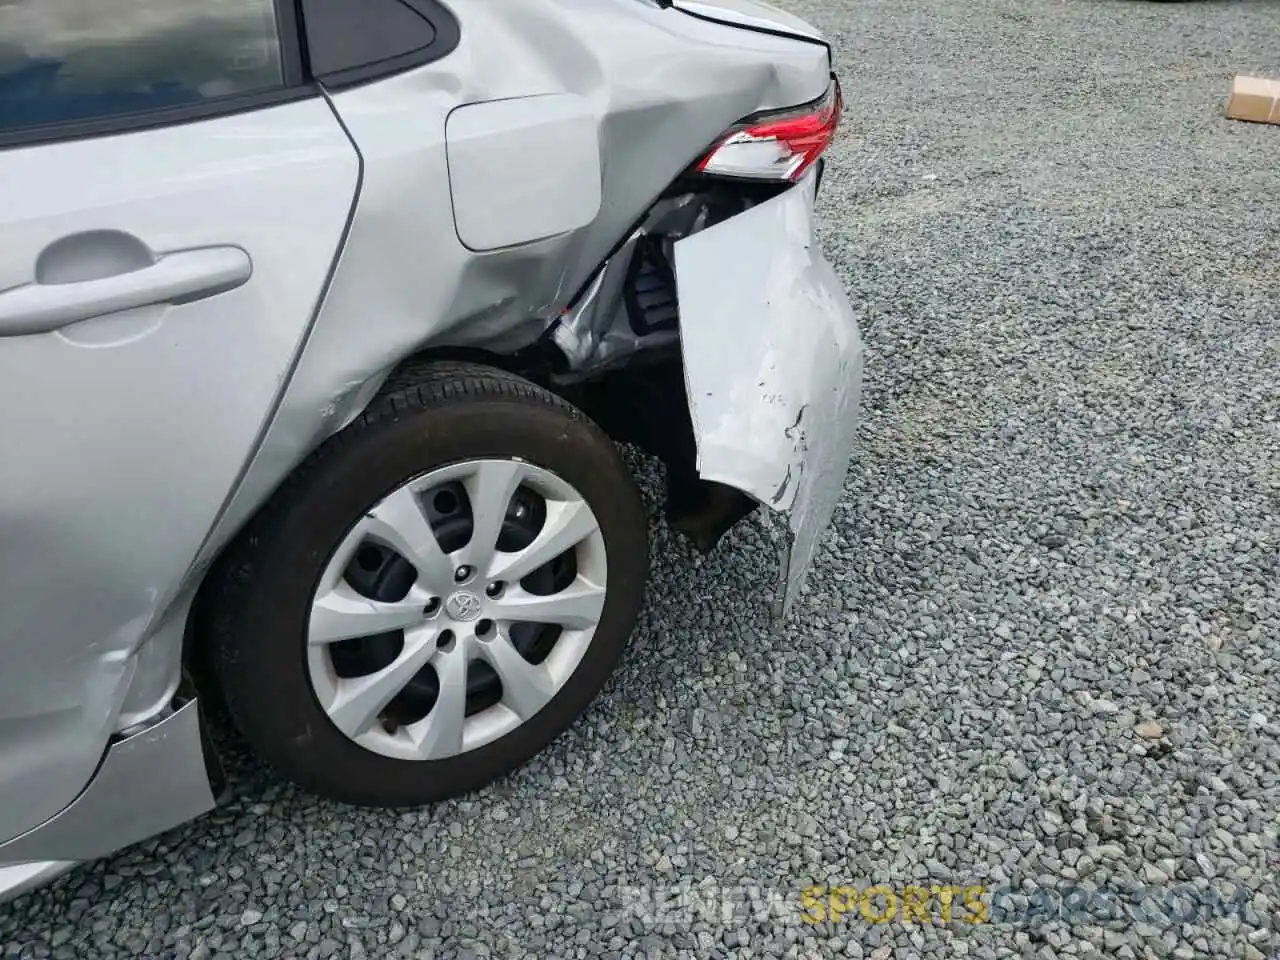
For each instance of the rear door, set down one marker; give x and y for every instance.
(172, 198)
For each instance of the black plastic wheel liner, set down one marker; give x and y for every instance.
(645, 404)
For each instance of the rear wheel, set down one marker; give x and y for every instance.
(436, 593)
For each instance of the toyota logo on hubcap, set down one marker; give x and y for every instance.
(462, 606)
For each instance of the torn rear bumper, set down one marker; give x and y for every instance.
(773, 368)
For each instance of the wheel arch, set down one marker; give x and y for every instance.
(239, 612)
(219, 551)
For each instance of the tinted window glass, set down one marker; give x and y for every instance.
(68, 60)
(344, 35)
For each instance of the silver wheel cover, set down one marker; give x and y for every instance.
(459, 610)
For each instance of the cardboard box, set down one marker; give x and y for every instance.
(1255, 99)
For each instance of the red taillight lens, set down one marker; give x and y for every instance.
(780, 146)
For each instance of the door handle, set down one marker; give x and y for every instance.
(175, 278)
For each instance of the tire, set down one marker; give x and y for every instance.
(260, 604)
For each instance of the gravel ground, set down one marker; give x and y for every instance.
(1041, 648)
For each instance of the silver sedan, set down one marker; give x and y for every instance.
(319, 326)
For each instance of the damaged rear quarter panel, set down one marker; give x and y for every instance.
(661, 86)
(773, 366)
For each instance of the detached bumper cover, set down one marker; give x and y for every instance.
(773, 368)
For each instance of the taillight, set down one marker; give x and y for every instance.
(777, 146)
